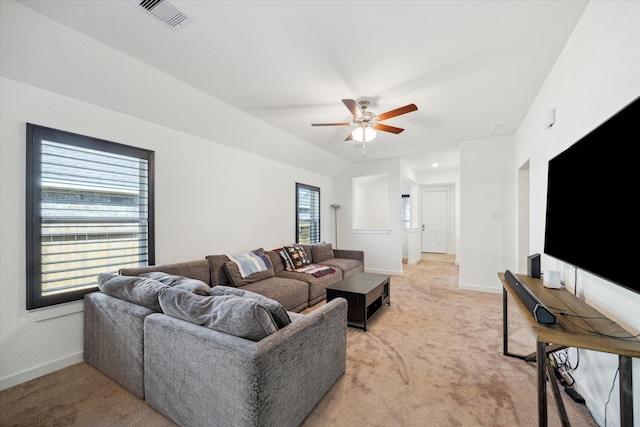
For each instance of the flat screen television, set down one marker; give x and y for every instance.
(593, 189)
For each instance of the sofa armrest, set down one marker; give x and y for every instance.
(349, 254)
(197, 376)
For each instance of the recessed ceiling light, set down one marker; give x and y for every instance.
(496, 127)
(434, 165)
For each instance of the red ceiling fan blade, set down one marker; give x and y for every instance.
(398, 111)
(330, 124)
(387, 128)
(353, 107)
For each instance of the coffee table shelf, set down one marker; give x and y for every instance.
(366, 294)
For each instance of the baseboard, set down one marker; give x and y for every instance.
(488, 289)
(415, 261)
(31, 374)
(387, 272)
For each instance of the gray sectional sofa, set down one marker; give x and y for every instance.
(198, 375)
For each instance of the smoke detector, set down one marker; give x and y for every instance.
(165, 12)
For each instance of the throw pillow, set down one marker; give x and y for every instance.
(138, 290)
(322, 252)
(296, 256)
(242, 317)
(233, 273)
(277, 311)
(287, 261)
(181, 282)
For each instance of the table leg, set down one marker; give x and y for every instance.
(541, 359)
(626, 391)
(505, 327)
(562, 412)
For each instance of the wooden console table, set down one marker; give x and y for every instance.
(576, 327)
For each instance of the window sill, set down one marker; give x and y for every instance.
(60, 310)
(369, 231)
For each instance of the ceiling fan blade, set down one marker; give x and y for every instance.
(330, 124)
(353, 107)
(398, 111)
(387, 128)
(349, 137)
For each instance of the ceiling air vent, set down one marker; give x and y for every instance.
(164, 11)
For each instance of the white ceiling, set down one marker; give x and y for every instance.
(467, 65)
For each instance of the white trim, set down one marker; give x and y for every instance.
(476, 288)
(369, 231)
(41, 370)
(51, 312)
(387, 272)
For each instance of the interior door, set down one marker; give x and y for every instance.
(434, 221)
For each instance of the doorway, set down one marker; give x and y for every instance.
(435, 214)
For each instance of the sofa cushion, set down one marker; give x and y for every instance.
(242, 317)
(322, 252)
(308, 249)
(347, 265)
(292, 294)
(180, 282)
(278, 313)
(138, 290)
(295, 256)
(198, 269)
(216, 267)
(277, 262)
(317, 285)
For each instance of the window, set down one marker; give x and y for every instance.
(89, 211)
(307, 214)
(406, 211)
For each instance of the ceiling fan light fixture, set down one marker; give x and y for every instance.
(363, 132)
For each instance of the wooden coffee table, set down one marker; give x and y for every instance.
(365, 293)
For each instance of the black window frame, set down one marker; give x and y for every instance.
(36, 134)
(311, 188)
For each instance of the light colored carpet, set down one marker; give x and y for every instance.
(432, 358)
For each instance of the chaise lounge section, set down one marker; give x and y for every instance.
(197, 375)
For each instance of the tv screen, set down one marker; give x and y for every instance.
(592, 191)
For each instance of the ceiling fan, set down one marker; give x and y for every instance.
(367, 122)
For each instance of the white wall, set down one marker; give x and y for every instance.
(596, 75)
(411, 244)
(382, 248)
(487, 212)
(43, 53)
(371, 202)
(210, 197)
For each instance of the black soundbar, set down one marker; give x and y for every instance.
(542, 314)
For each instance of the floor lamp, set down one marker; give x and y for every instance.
(335, 214)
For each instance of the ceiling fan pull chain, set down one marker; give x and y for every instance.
(364, 145)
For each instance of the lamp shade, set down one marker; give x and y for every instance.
(363, 132)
